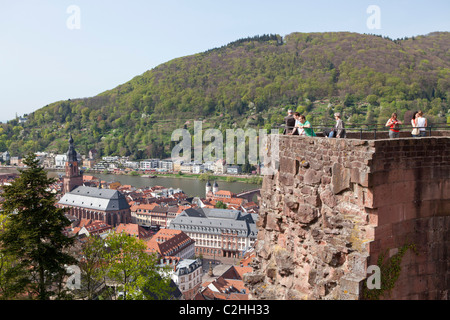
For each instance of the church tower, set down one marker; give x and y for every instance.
(73, 177)
(215, 187)
(208, 187)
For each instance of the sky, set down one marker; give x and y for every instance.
(64, 49)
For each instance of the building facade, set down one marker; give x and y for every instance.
(188, 277)
(171, 243)
(218, 232)
(109, 206)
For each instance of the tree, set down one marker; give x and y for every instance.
(220, 205)
(34, 233)
(133, 271)
(7, 261)
(92, 268)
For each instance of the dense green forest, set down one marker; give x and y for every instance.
(249, 83)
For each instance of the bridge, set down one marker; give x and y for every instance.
(249, 194)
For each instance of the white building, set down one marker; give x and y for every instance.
(60, 160)
(110, 159)
(209, 166)
(166, 165)
(219, 166)
(131, 164)
(198, 168)
(149, 164)
(188, 277)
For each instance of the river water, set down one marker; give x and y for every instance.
(191, 187)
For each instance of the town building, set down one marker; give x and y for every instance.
(228, 286)
(60, 161)
(73, 177)
(109, 206)
(219, 166)
(149, 164)
(188, 277)
(134, 230)
(16, 161)
(214, 195)
(171, 243)
(5, 156)
(218, 232)
(95, 228)
(166, 165)
(153, 214)
(234, 169)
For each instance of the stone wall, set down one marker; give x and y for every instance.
(335, 205)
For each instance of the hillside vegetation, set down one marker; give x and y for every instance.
(249, 83)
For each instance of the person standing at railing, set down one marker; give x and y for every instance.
(394, 126)
(415, 130)
(338, 130)
(421, 123)
(304, 125)
(289, 121)
(297, 130)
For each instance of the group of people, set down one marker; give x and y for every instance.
(296, 124)
(418, 122)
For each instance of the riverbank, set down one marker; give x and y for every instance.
(251, 179)
(210, 177)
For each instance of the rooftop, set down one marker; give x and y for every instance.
(96, 199)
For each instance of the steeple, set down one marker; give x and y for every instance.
(71, 153)
(73, 177)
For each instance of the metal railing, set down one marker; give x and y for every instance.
(367, 128)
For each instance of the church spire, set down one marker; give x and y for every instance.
(73, 177)
(71, 153)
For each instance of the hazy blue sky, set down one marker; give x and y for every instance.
(42, 60)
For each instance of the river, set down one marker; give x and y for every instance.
(191, 187)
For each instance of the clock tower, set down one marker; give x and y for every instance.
(73, 177)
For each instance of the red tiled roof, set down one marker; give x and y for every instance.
(134, 230)
(168, 242)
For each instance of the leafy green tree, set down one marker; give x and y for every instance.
(34, 233)
(92, 268)
(220, 205)
(133, 271)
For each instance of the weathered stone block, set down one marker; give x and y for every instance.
(306, 213)
(328, 198)
(351, 287)
(340, 179)
(312, 177)
(273, 222)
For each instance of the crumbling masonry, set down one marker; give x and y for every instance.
(336, 205)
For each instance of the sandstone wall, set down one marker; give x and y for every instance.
(335, 205)
(410, 196)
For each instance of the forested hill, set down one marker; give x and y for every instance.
(249, 83)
